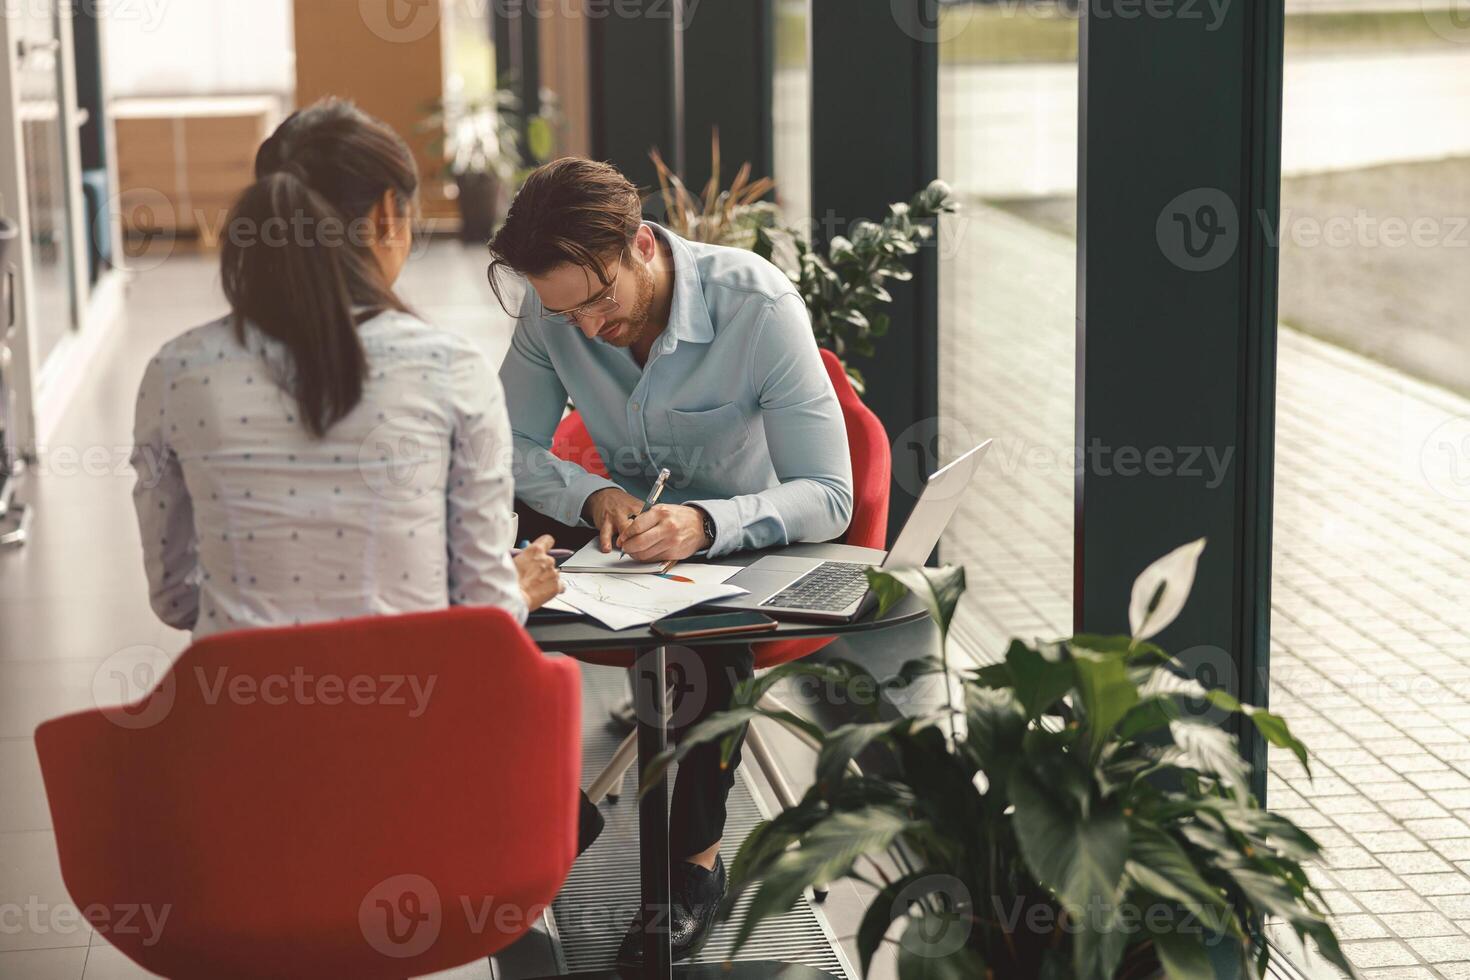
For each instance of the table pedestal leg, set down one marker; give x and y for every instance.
(651, 710)
(650, 702)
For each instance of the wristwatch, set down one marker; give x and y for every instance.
(709, 525)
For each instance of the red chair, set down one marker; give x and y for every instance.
(573, 442)
(872, 468)
(297, 808)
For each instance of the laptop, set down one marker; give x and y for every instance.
(786, 587)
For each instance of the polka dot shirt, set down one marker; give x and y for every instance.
(248, 519)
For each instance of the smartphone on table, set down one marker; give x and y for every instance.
(712, 624)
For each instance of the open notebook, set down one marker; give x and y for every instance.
(591, 559)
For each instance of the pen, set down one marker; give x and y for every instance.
(553, 552)
(650, 500)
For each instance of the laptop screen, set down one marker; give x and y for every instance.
(934, 509)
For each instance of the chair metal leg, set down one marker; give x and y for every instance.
(767, 762)
(760, 751)
(769, 702)
(609, 782)
(616, 793)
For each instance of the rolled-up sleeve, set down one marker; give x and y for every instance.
(807, 438)
(480, 497)
(537, 400)
(165, 510)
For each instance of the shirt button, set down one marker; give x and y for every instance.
(634, 406)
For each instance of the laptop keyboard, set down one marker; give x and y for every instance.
(831, 586)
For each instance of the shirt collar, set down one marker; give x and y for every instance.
(689, 317)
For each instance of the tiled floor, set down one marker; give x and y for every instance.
(1371, 651)
(1370, 647)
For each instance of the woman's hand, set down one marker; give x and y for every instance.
(540, 581)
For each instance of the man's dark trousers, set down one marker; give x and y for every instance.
(703, 684)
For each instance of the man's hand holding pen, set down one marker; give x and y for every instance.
(646, 530)
(664, 532)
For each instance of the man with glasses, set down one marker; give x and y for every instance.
(678, 354)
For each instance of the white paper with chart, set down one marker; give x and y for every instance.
(621, 602)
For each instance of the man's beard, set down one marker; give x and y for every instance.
(637, 324)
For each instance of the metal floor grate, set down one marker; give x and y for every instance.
(599, 897)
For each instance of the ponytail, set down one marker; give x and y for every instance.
(294, 264)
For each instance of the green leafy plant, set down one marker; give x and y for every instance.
(845, 289)
(481, 135)
(731, 216)
(1067, 812)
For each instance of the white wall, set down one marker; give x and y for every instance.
(199, 47)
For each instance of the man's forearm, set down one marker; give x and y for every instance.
(801, 510)
(552, 486)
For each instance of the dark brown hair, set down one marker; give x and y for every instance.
(571, 210)
(296, 260)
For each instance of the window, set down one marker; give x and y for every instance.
(1370, 653)
(791, 108)
(41, 107)
(204, 47)
(1008, 147)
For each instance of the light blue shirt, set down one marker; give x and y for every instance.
(734, 400)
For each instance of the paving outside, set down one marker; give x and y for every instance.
(1007, 351)
(1351, 273)
(1370, 659)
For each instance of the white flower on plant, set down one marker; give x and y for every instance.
(1160, 591)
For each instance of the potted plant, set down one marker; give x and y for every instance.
(1065, 814)
(489, 145)
(720, 217)
(845, 289)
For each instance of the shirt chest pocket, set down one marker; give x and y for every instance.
(708, 441)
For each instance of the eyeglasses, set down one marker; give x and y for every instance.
(601, 306)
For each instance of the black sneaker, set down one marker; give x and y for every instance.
(695, 896)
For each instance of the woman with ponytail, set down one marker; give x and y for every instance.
(320, 452)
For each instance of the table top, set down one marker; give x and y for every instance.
(567, 634)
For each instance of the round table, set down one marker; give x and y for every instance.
(568, 635)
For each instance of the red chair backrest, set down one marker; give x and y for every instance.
(872, 461)
(380, 797)
(573, 442)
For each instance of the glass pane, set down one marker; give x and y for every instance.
(1370, 651)
(1008, 147)
(46, 177)
(791, 111)
(469, 55)
(202, 47)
